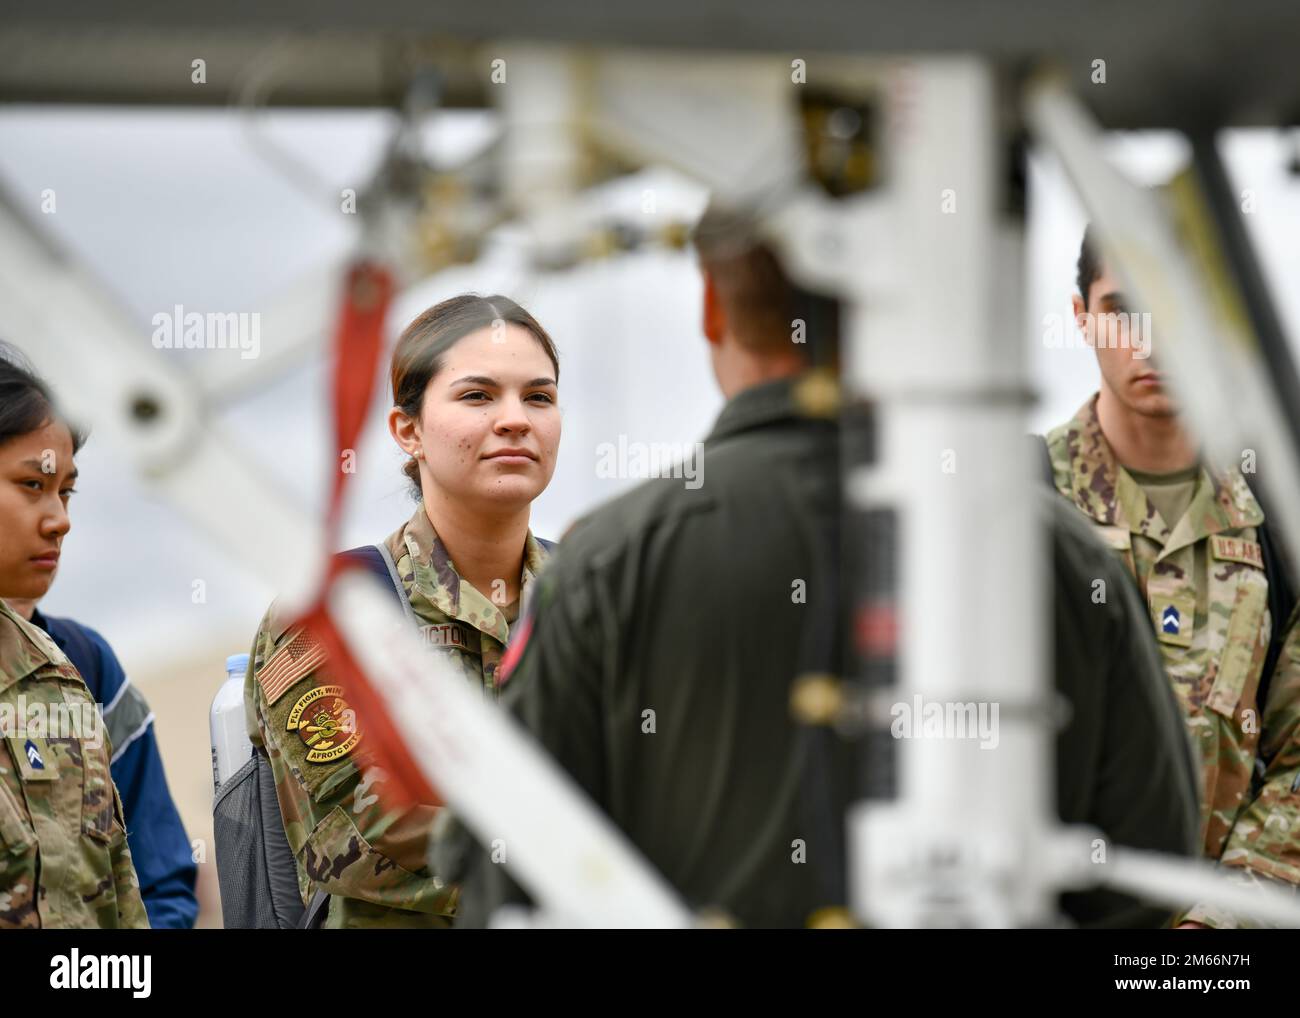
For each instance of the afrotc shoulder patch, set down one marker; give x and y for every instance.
(325, 723)
(299, 657)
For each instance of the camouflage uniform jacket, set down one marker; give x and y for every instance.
(1203, 580)
(370, 858)
(64, 860)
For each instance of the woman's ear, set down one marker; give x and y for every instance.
(1080, 313)
(405, 431)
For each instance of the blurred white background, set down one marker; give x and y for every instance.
(174, 208)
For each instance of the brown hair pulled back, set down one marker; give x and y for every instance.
(418, 355)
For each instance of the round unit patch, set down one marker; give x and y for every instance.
(325, 723)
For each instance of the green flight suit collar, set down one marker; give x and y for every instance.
(810, 394)
(1108, 493)
(438, 585)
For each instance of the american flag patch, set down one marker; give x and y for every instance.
(290, 663)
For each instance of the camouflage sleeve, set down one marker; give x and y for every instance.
(113, 888)
(131, 914)
(345, 840)
(1264, 844)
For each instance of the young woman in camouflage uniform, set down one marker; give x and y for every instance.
(475, 410)
(64, 861)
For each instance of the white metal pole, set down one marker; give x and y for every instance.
(944, 363)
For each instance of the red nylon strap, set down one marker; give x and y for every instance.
(358, 347)
(515, 651)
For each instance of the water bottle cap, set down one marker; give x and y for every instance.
(237, 663)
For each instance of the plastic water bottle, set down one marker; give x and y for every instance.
(230, 746)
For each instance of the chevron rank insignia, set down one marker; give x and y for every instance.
(1174, 618)
(34, 759)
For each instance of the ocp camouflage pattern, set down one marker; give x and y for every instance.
(370, 857)
(64, 860)
(1207, 565)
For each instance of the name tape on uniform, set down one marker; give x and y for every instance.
(1236, 549)
(449, 634)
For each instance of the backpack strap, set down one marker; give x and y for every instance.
(378, 560)
(277, 856)
(1281, 603)
(318, 910)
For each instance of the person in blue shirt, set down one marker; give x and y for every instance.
(164, 861)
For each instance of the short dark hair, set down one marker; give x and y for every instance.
(419, 351)
(1088, 271)
(760, 299)
(26, 403)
